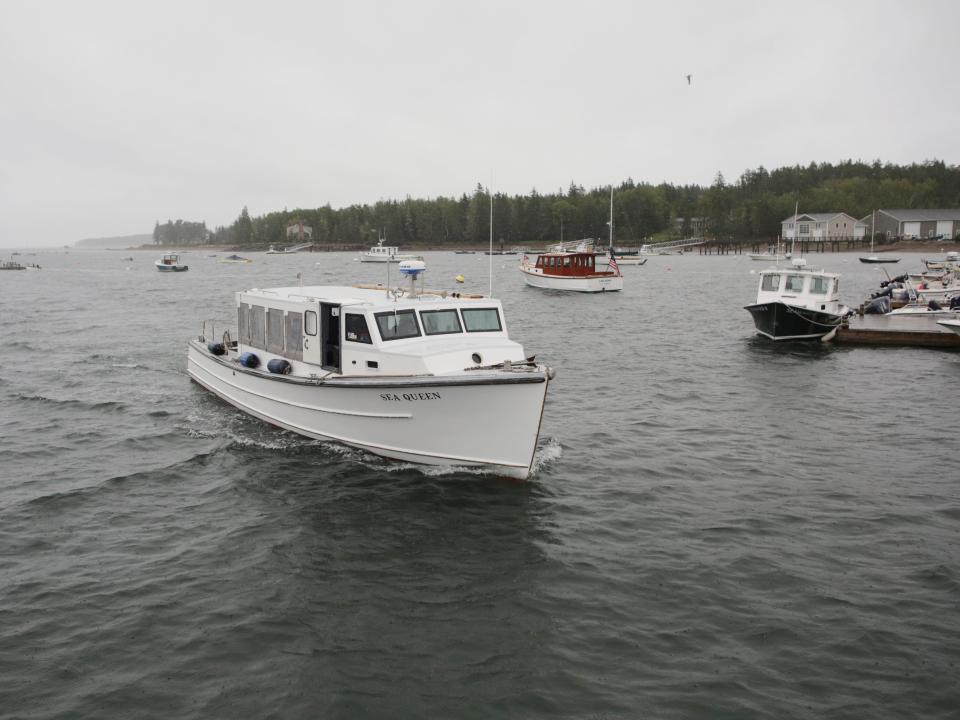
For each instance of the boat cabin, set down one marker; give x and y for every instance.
(800, 287)
(370, 332)
(170, 259)
(573, 264)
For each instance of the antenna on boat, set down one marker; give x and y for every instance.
(490, 192)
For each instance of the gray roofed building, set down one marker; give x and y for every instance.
(922, 223)
(818, 226)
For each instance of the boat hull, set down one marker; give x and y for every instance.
(779, 321)
(587, 284)
(488, 419)
(171, 268)
(878, 260)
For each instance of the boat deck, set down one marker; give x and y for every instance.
(898, 331)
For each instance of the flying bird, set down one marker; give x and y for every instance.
(688, 78)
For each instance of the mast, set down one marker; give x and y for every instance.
(872, 214)
(611, 220)
(796, 228)
(490, 191)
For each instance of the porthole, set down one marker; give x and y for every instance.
(476, 358)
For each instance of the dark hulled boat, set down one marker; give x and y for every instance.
(796, 303)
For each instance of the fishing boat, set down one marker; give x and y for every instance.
(385, 253)
(797, 303)
(872, 258)
(411, 374)
(170, 262)
(289, 250)
(14, 265)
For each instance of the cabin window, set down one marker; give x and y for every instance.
(819, 285)
(794, 283)
(275, 330)
(440, 322)
(398, 325)
(481, 319)
(355, 327)
(771, 283)
(257, 326)
(310, 322)
(566, 261)
(294, 340)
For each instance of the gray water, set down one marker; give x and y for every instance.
(717, 527)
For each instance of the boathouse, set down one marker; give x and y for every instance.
(924, 224)
(818, 226)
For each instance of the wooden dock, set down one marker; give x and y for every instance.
(898, 331)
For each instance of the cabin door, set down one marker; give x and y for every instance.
(330, 337)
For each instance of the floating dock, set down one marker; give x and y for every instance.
(898, 331)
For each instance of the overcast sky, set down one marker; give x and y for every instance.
(116, 114)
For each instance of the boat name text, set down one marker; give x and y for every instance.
(410, 397)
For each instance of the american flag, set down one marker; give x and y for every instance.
(613, 265)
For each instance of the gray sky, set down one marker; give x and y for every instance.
(116, 114)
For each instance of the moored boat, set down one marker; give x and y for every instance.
(170, 262)
(386, 253)
(411, 374)
(953, 325)
(797, 303)
(574, 270)
(236, 259)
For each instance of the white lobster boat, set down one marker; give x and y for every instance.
(410, 374)
(386, 254)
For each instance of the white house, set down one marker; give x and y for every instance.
(818, 226)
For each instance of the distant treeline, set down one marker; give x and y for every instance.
(751, 207)
(181, 232)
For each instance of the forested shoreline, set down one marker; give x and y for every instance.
(749, 208)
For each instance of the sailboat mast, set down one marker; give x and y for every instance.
(611, 219)
(490, 191)
(872, 215)
(796, 227)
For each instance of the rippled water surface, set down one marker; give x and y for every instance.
(716, 527)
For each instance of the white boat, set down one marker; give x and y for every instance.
(410, 374)
(772, 254)
(170, 262)
(950, 325)
(385, 253)
(290, 250)
(797, 303)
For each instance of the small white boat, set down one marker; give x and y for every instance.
(950, 325)
(797, 303)
(772, 254)
(411, 374)
(386, 253)
(170, 262)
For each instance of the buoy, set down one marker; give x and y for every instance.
(460, 278)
